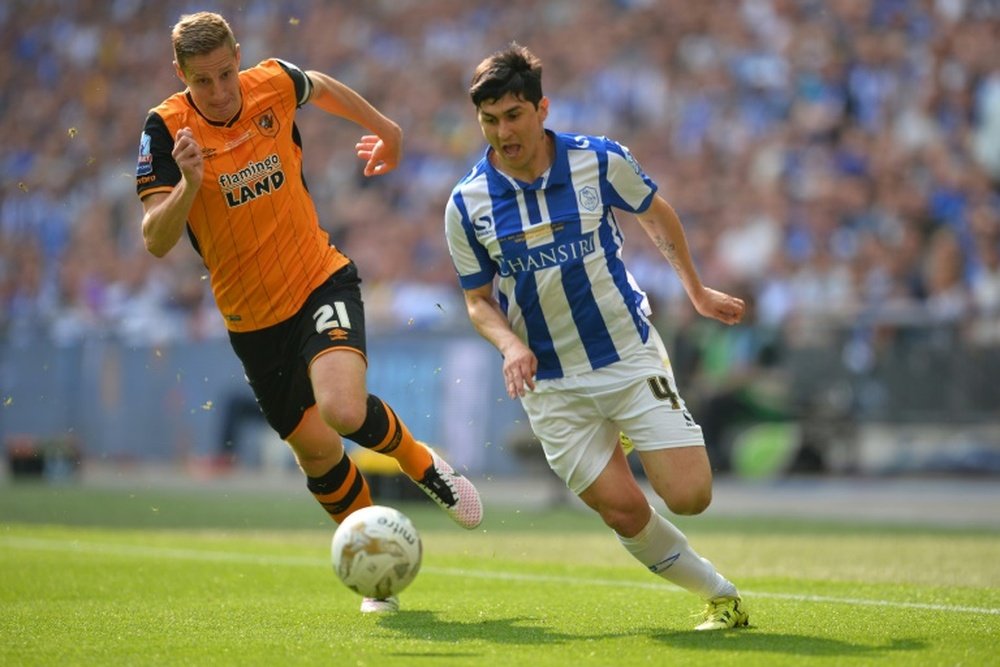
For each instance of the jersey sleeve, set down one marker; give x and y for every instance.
(627, 186)
(303, 84)
(471, 260)
(156, 170)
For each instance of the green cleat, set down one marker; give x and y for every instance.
(723, 613)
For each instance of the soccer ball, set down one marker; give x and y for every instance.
(376, 551)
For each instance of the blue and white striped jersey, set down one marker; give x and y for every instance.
(556, 246)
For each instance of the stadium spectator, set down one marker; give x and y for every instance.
(746, 103)
(779, 94)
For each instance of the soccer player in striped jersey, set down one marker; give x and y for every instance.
(222, 160)
(537, 247)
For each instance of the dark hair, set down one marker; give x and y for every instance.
(514, 70)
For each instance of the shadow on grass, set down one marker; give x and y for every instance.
(747, 639)
(522, 630)
(518, 630)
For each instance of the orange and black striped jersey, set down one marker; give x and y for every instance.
(253, 221)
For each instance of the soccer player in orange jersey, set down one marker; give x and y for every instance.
(222, 161)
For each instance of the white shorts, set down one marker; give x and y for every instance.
(578, 419)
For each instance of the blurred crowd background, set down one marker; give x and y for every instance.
(835, 162)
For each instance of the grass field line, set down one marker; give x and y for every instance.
(135, 550)
(655, 585)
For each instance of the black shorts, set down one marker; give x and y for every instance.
(276, 359)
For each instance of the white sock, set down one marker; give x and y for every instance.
(664, 550)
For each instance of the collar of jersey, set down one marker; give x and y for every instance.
(556, 174)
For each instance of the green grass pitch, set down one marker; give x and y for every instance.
(193, 577)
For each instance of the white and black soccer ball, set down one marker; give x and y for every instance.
(376, 551)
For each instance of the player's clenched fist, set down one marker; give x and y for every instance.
(187, 155)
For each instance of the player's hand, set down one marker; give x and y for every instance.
(519, 368)
(720, 306)
(187, 155)
(380, 158)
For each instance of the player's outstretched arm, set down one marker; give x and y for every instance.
(661, 223)
(383, 149)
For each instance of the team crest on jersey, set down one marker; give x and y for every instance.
(588, 198)
(266, 123)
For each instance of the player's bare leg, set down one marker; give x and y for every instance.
(344, 402)
(654, 541)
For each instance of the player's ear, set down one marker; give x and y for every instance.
(236, 54)
(543, 108)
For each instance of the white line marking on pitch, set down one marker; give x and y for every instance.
(545, 578)
(130, 550)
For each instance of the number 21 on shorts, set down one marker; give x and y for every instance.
(332, 317)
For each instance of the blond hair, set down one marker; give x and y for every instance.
(199, 34)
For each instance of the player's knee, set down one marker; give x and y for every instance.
(626, 519)
(689, 502)
(344, 416)
(622, 523)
